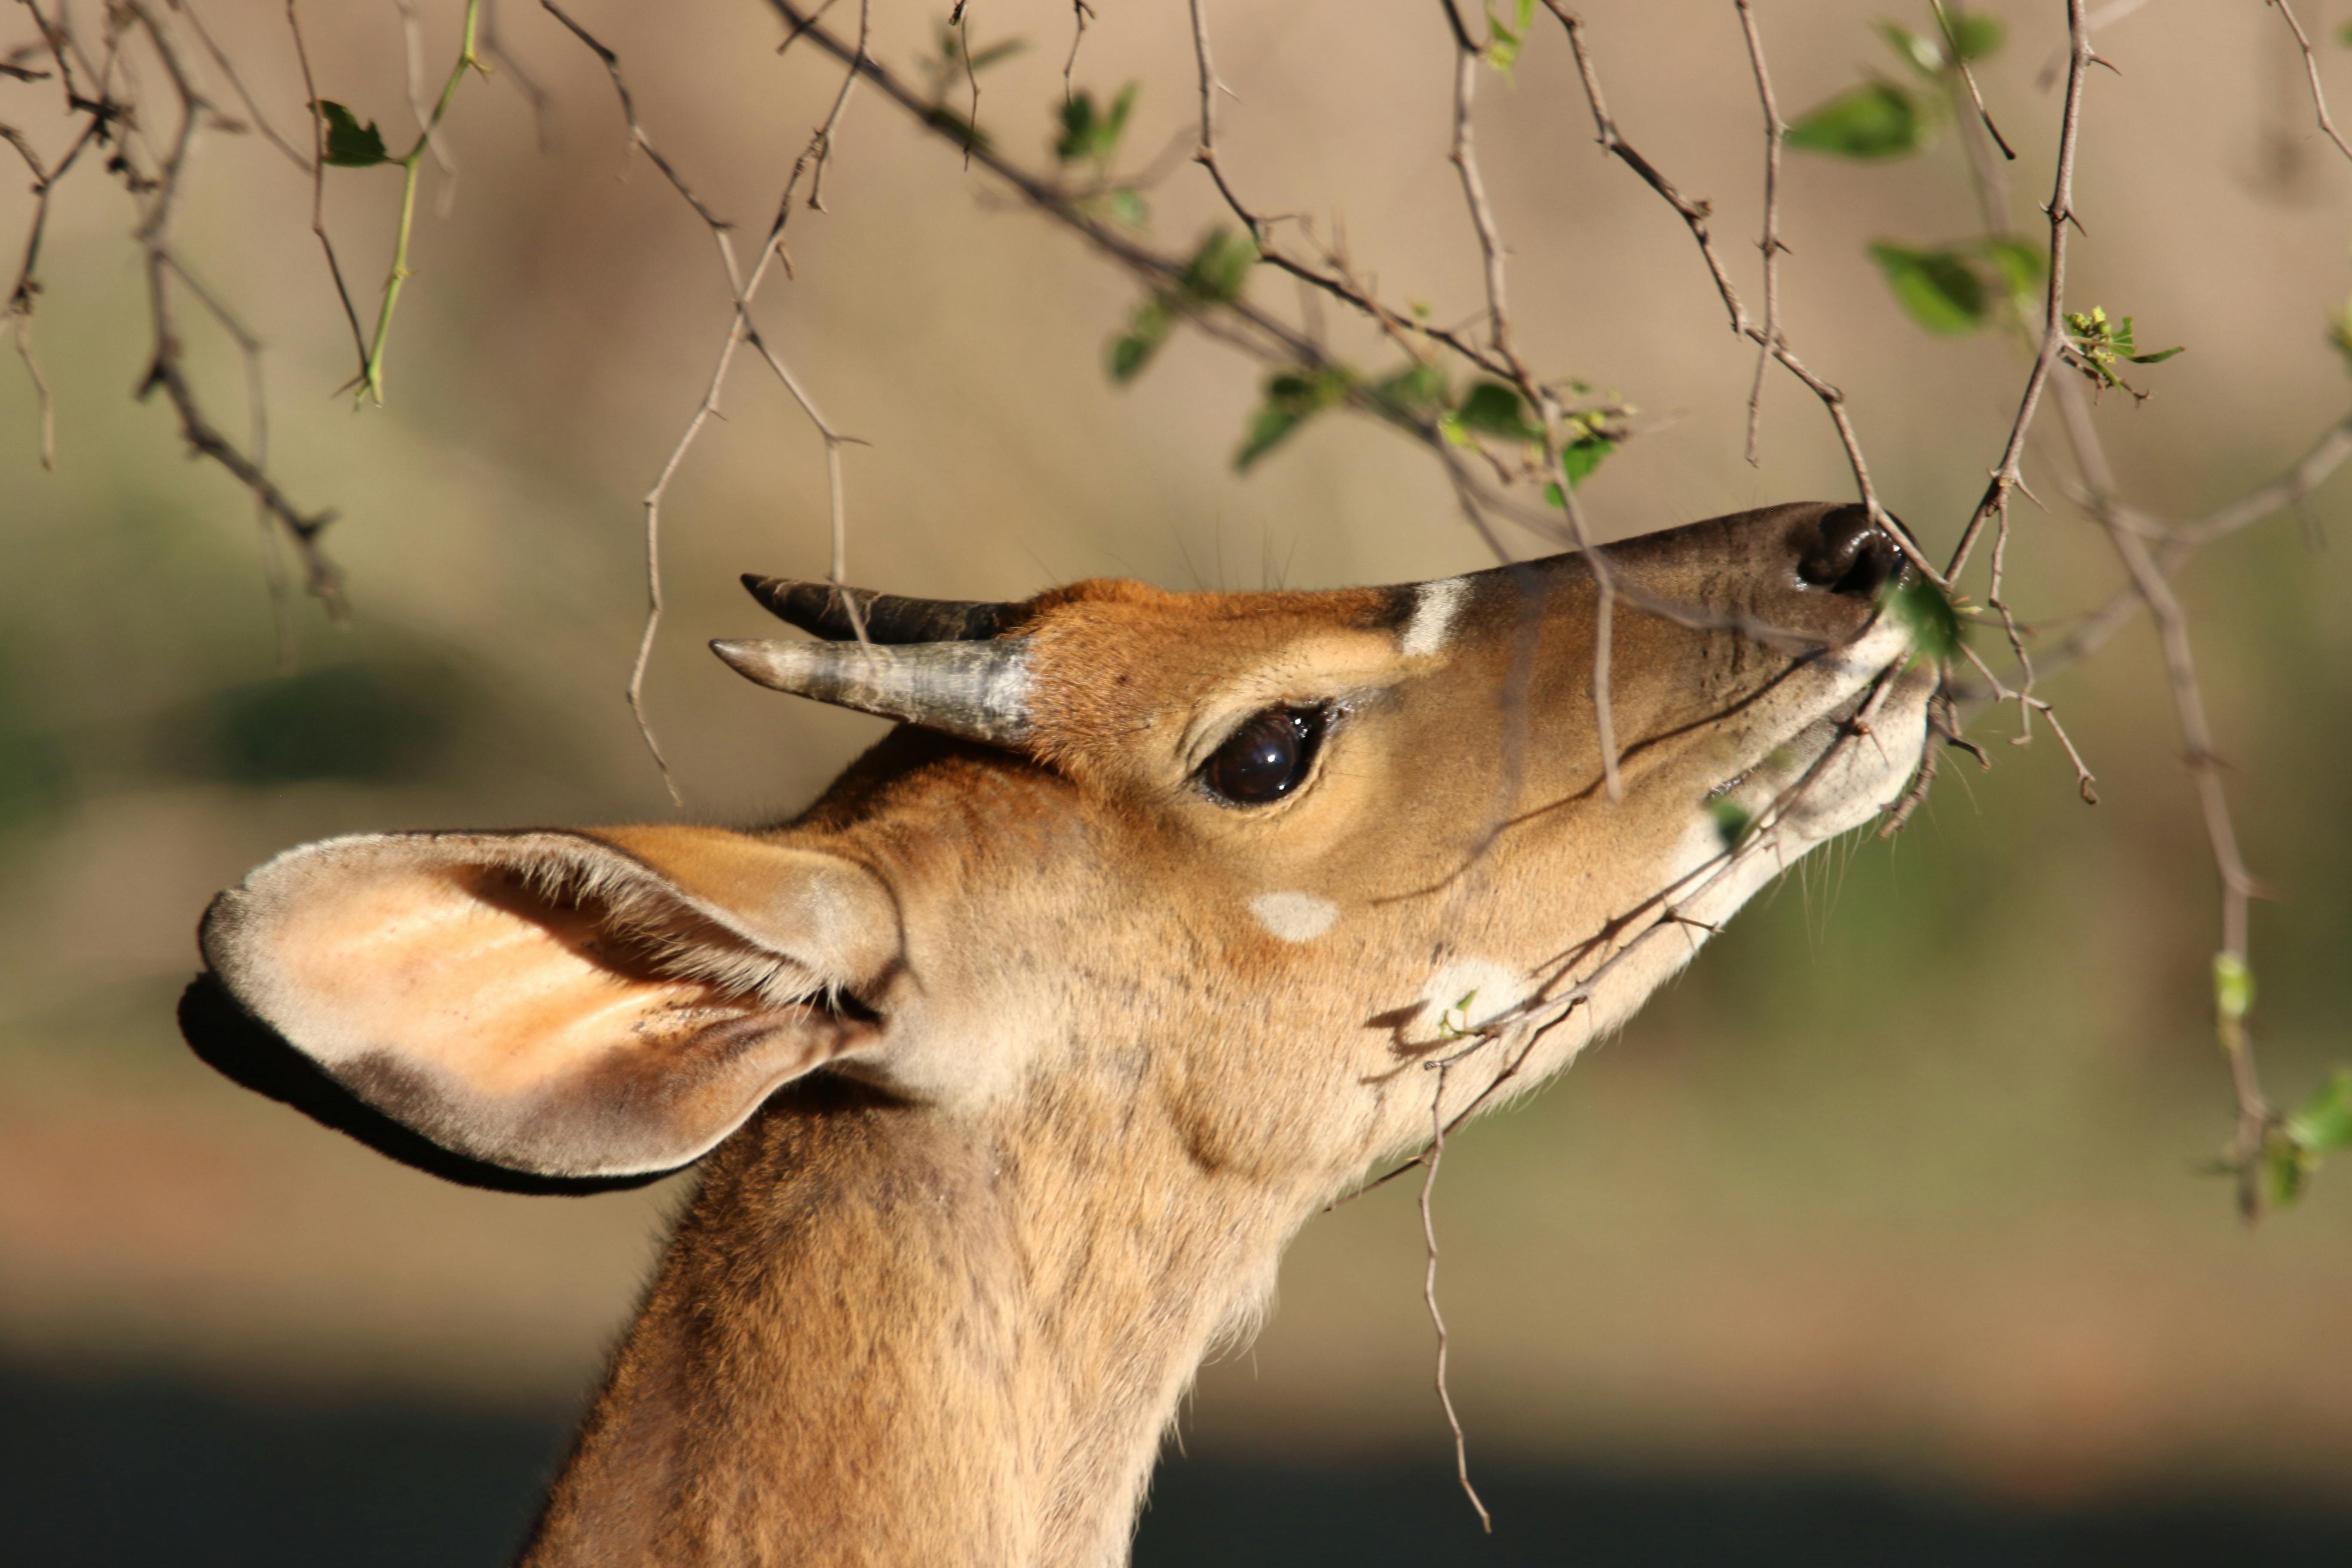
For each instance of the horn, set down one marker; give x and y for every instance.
(979, 690)
(821, 610)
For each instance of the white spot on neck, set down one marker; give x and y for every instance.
(1434, 607)
(1293, 917)
(1471, 992)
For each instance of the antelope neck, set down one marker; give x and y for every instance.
(879, 1337)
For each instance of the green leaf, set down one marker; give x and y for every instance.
(1977, 33)
(1578, 459)
(350, 145)
(2289, 1169)
(2323, 1124)
(1268, 428)
(1927, 613)
(1218, 270)
(1091, 135)
(1504, 39)
(1941, 291)
(2022, 265)
(1415, 392)
(1493, 409)
(1133, 349)
(1126, 204)
(1917, 50)
(1292, 397)
(2159, 357)
(1077, 127)
(2344, 35)
(2234, 987)
(1876, 120)
(1732, 821)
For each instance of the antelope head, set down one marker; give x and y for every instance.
(1020, 1055)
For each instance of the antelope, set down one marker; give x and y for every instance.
(1014, 1061)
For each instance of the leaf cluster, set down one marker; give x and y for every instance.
(2321, 1126)
(1215, 275)
(2095, 344)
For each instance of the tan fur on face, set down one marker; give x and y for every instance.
(1096, 1042)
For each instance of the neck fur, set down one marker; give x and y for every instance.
(883, 1337)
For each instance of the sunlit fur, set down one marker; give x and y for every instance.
(937, 1303)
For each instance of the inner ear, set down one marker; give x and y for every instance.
(563, 1005)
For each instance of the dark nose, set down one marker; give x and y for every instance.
(1852, 555)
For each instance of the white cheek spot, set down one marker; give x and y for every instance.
(1293, 917)
(1470, 992)
(1434, 607)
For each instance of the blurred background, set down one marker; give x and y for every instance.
(1881, 1236)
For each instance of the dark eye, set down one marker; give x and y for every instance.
(1266, 758)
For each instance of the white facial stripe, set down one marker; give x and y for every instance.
(1434, 606)
(1293, 917)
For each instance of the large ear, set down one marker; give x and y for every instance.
(588, 1005)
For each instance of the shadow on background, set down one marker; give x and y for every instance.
(147, 1470)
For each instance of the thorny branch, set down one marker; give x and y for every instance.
(101, 93)
(1695, 216)
(151, 154)
(1429, 1295)
(740, 330)
(2311, 70)
(2008, 476)
(1774, 130)
(2149, 573)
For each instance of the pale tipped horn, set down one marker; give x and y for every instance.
(979, 690)
(821, 609)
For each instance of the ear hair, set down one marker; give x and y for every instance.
(671, 933)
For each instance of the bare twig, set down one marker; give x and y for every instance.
(1960, 63)
(1081, 13)
(741, 330)
(159, 192)
(2204, 762)
(490, 45)
(2007, 476)
(2311, 70)
(17, 312)
(1775, 129)
(319, 184)
(236, 82)
(1429, 1295)
(1695, 216)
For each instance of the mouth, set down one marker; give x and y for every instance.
(1844, 755)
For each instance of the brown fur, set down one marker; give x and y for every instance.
(1107, 1042)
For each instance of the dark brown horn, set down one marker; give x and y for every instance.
(979, 690)
(823, 610)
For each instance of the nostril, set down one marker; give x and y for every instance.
(1852, 556)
